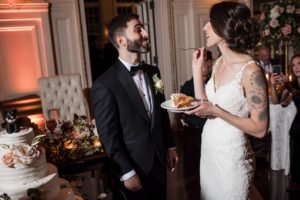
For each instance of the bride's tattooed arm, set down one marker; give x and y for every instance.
(257, 95)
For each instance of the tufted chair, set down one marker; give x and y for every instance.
(63, 93)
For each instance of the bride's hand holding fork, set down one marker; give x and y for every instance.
(199, 57)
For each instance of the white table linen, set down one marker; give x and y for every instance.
(281, 119)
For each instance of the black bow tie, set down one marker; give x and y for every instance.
(141, 66)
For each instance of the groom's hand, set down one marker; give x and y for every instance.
(172, 159)
(133, 183)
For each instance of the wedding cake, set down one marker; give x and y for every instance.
(23, 167)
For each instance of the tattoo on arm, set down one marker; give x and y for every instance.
(257, 95)
(262, 115)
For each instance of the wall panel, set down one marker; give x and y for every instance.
(25, 48)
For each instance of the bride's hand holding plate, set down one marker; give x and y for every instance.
(204, 108)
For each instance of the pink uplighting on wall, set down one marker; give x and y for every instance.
(20, 70)
(25, 50)
(21, 59)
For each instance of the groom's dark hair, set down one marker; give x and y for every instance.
(117, 25)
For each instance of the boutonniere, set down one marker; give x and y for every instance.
(158, 84)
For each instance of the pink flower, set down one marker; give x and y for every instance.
(25, 154)
(262, 16)
(76, 135)
(274, 23)
(8, 159)
(290, 8)
(286, 30)
(266, 32)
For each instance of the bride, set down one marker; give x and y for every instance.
(235, 101)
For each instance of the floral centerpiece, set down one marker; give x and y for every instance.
(279, 22)
(71, 140)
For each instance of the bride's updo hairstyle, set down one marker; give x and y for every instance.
(232, 21)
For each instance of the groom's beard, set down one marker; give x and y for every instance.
(136, 46)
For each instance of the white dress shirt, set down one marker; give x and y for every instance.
(268, 68)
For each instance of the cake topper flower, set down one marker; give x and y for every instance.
(158, 84)
(8, 159)
(19, 154)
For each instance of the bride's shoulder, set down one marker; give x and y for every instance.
(252, 67)
(254, 75)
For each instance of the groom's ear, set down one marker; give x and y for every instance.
(121, 41)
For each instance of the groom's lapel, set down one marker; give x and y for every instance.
(155, 98)
(131, 89)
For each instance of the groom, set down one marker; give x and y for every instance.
(133, 128)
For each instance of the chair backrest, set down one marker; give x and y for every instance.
(63, 93)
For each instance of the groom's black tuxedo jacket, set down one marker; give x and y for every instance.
(129, 136)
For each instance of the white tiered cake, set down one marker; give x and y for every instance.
(23, 167)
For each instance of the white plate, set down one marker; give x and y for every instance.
(169, 106)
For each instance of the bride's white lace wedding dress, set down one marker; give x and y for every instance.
(227, 161)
